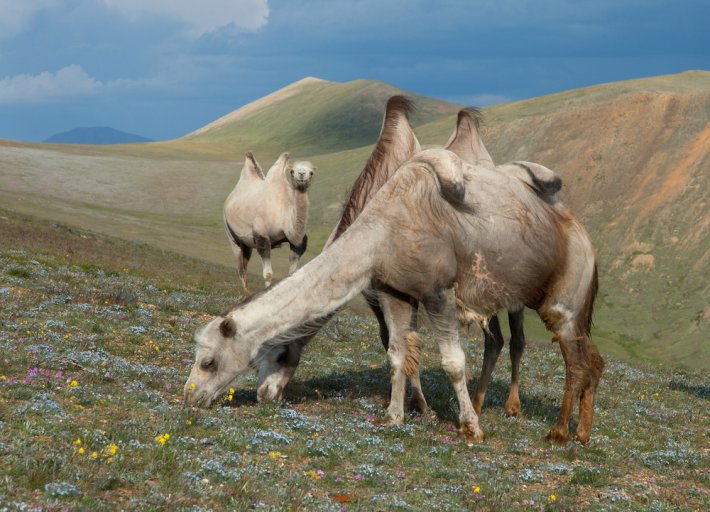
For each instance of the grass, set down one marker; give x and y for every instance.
(96, 334)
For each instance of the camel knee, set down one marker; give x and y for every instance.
(454, 364)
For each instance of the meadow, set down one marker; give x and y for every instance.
(96, 340)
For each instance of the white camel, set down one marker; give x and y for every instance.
(450, 235)
(263, 212)
(395, 145)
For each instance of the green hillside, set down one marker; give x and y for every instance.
(322, 117)
(634, 157)
(95, 334)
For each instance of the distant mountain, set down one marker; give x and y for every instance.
(314, 116)
(95, 135)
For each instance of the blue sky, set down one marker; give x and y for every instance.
(163, 68)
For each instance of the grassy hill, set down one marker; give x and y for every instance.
(95, 339)
(634, 157)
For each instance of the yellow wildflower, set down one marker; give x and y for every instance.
(193, 385)
(81, 451)
(77, 442)
(274, 455)
(112, 448)
(74, 383)
(553, 498)
(95, 454)
(476, 489)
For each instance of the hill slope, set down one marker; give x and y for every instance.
(314, 117)
(96, 135)
(94, 334)
(634, 157)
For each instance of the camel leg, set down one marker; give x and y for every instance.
(277, 369)
(589, 391)
(493, 340)
(417, 402)
(441, 309)
(574, 373)
(295, 255)
(263, 247)
(517, 346)
(242, 253)
(403, 351)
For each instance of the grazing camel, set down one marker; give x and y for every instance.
(452, 236)
(395, 145)
(263, 212)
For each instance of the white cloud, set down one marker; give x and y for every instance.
(201, 16)
(67, 82)
(15, 14)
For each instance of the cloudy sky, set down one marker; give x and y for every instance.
(163, 68)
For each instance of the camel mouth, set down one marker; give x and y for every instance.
(301, 185)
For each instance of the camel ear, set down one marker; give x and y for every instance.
(228, 328)
(252, 166)
(466, 140)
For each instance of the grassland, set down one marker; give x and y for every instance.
(95, 334)
(633, 156)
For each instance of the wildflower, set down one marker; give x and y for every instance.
(95, 454)
(275, 455)
(81, 451)
(553, 498)
(231, 394)
(193, 385)
(73, 383)
(316, 475)
(162, 439)
(112, 448)
(77, 442)
(477, 489)
(357, 477)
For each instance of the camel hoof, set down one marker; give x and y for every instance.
(582, 436)
(513, 409)
(389, 420)
(472, 433)
(558, 435)
(267, 393)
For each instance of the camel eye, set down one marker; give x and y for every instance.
(208, 365)
(291, 171)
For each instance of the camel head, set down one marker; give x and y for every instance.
(301, 175)
(219, 360)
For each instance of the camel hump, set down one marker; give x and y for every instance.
(466, 140)
(251, 166)
(448, 168)
(399, 105)
(278, 170)
(545, 182)
(396, 144)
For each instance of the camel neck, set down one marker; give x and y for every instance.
(315, 291)
(300, 212)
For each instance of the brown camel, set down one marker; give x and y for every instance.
(263, 212)
(450, 235)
